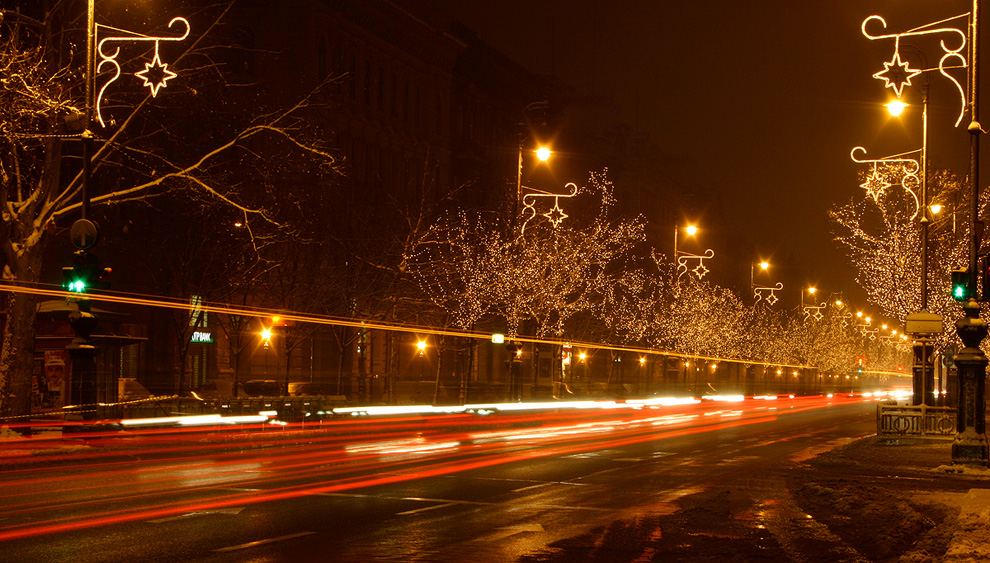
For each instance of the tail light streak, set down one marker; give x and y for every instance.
(340, 456)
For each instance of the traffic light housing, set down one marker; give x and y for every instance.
(85, 274)
(960, 284)
(983, 265)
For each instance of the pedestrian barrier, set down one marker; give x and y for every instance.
(915, 420)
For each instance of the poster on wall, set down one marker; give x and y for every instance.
(49, 382)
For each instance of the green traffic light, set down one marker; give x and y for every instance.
(77, 286)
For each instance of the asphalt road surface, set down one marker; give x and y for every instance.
(698, 482)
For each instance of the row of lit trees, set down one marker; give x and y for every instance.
(592, 278)
(884, 245)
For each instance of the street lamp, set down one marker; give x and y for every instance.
(764, 266)
(896, 108)
(690, 230)
(266, 341)
(542, 153)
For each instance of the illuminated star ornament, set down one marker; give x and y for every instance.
(897, 74)
(767, 294)
(555, 215)
(700, 269)
(814, 311)
(875, 184)
(905, 170)
(155, 74)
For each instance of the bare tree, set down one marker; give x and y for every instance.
(147, 152)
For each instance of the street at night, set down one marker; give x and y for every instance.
(500, 487)
(529, 281)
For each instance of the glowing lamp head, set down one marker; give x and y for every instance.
(691, 230)
(543, 153)
(896, 107)
(642, 361)
(421, 345)
(266, 334)
(935, 208)
(764, 265)
(812, 290)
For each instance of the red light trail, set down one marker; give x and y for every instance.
(154, 473)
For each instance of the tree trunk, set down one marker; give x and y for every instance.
(17, 357)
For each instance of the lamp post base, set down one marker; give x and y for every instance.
(970, 444)
(970, 448)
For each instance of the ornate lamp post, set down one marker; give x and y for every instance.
(542, 153)
(970, 445)
(84, 233)
(768, 293)
(682, 258)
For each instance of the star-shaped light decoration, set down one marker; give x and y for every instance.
(875, 184)
(700, 270)
(817, 315)
(155, 74)
(556, 214)
(897, 74)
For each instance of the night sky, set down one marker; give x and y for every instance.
(761, 101)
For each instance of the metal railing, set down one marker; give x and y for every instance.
(915, 420)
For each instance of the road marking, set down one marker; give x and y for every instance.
(262, 542)
(347, 495)
(425, 508)
(560, 507)
(548, 483)
(536, 486)
(197, 513)
(591, 454)
(507, 531)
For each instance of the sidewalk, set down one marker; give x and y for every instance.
(899, 499)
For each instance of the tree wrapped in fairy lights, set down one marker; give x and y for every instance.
(766, 338)
(883, 242)
(547, 274)
(702, 318)
(458, 263)
(555, 270)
